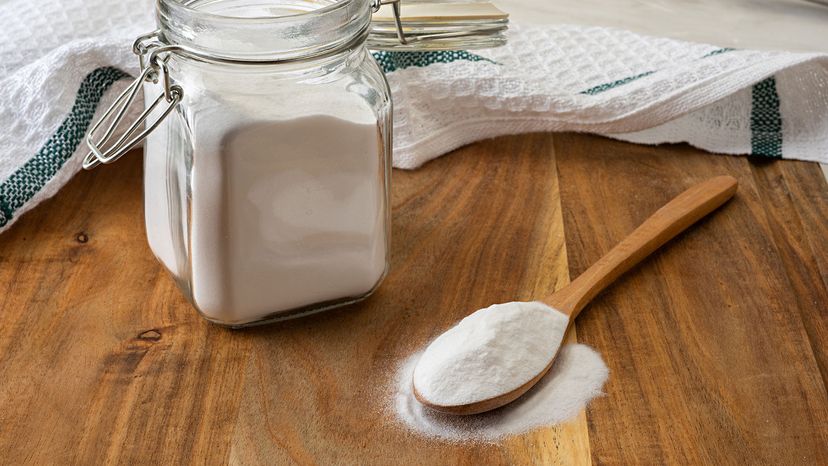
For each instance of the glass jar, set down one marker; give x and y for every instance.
(267, 155)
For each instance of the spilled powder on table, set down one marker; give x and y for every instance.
(577, 377)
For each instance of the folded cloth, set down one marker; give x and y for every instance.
(64, 61)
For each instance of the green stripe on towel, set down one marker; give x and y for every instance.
(29, 179)
(719, 52)
(620, 82)
(765, 120)
(393, 61)
(611, 85)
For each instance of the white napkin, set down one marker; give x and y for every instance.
(63, 59)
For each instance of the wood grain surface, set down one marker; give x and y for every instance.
(716, 345)
(710, 357)
(671, 219)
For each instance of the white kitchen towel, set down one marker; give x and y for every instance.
(63, 61)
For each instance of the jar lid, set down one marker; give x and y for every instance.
(414, 25)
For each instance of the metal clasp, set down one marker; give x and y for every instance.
(103, 151)
(395, 6)
(440, 29)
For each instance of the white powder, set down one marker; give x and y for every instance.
(491, 352)
(577, 377)
(286, 214)
(287, 202)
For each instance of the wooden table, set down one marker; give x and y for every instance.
(717, 346)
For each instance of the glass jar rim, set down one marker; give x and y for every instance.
(181, 7)
(280, 37)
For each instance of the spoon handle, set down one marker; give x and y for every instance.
(667, 222)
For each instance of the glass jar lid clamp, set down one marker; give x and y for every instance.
(423, 26)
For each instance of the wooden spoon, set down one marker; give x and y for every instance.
(678, 214)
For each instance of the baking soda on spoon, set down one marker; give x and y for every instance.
(490, 352)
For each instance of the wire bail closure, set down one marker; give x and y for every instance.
(102, 151)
